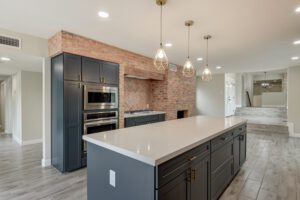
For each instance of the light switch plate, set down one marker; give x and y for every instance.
(112, 178)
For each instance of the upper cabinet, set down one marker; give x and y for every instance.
(109, 73)
(91, 70)
(72, 67)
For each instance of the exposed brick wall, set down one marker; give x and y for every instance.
(175, 92)
(137, 94)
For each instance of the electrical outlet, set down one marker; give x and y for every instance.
(112, 178)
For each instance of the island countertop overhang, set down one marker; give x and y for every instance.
(157, 143)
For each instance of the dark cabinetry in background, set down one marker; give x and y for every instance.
(66, 112)
(68, 73)
(96, 71)
(141, 120)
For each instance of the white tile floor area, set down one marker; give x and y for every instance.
(272, 171)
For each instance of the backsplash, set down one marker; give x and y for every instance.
(137, 94)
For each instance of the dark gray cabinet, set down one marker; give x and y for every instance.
(73, 124)
(185, 177)
(97, 71)
(142, 120)
(66, 115)
(239, 145)
(72, 67)
(109, 73)
(90, 70)
(200, 179)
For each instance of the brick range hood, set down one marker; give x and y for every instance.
(131, 72)
(169, 90)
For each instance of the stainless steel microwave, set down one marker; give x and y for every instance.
(100, 97)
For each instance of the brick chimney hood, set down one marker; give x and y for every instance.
(131, 72)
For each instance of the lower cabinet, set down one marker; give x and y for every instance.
(142, 120)
(239, 149)
(186, 177)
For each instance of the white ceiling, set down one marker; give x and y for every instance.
(248, 35)
(18, 62)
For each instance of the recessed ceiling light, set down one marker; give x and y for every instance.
(295, 58)
(5, 59)
(297, 9)
(103, 14)
(297, 42)
(199, 59)
(168, 44)
(218, 67)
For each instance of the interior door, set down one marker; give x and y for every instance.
(230, 102)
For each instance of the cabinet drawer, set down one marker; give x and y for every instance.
(221, 140)
(146, 119)
(240, 129)
(172, 168)
(221, 179)
(221, 155)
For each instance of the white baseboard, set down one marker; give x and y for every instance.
(291, 130)
(18, 140)
(26, 142)
(46, 162)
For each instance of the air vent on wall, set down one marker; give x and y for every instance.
(9, 41)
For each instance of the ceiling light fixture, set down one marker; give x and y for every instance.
(161, 60)
(103, 14)
(295, 58)
(168, 44)
(265, 84)
(188, 67)
(5, 59)
(297, 42)
(218, 67)
(199, 59)
(206, 74)
(297, 9)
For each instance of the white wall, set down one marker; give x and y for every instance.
(17, 107)
(294, 97)
(31, 87)
(27, 107)
(210, 96)
(273, 99)
(6, 106)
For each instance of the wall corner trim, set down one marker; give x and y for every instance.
(46, 162)
(291, 131)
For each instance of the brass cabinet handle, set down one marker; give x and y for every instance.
(193, 174)
(193, 158)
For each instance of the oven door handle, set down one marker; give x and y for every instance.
(100, 123)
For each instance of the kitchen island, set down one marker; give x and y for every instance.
(186, 159)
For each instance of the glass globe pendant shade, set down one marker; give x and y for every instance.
(206, 74)
(188, 69)
(161, 60)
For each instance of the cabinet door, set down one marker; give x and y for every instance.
(236, 154)
(129, 122)
(109, 73)
(177, 189)
(72, 67)
(243, 148)
(200, 180)
(73, 125)
(90, 70)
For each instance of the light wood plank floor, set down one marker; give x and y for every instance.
(272, 171)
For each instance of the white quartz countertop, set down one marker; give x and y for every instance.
(140, 114)
(157, 143)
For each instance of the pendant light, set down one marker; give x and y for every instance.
(265, 84)
(206, 74)
(188, 67)
(161, 60)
